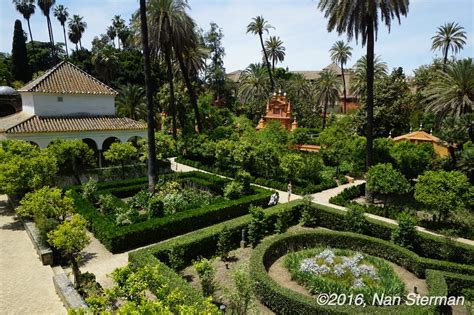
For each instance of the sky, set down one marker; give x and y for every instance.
(299, 24)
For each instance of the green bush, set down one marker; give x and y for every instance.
(309, 214)
(156, 229)
(405, 233)
(224, 243)
(355, 220)
(107, 204)
(286, 301)
(256, 228)
(347, 195)
(206, 273)
(89, 190)
(233, 190)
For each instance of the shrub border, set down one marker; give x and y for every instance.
(286, 301)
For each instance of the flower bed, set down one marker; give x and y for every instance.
(343, 272)
(153, 229)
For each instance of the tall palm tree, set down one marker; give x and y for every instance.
(77, 26)
(60, 12)
(106, 62)
(360, 18)
(131, 101)
(452, 92)
(275, 50)
(359, 79)
(74, 37)
(450, 36)
(166, 17)
(27, 9)
(149, 99)
(254, 88)
(257, 27)
(340, 54)
(327, 91)
(118, 24)
(45, 6)
(112, 33)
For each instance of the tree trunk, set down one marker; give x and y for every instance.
(452, 153)
(344, 109)
(445, 59)
(80, 43)
(325, 109)
(273, 65)
(29, 29)
(51, 35)
(149, 100)
(169, 71)
(65, 40)
(268, 64)
(370, 99)
(75, 271)
(192, 94)
(77, 47)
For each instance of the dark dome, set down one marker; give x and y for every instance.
(6, 90)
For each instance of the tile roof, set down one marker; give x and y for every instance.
(75, 123)
(66, 78)
(419, 135)
(10, 121)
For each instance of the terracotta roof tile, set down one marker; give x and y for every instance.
(75, 123)
(66, 78)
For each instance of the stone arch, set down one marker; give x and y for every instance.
(105, 146)
(93, 145)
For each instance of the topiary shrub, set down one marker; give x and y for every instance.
(256, 227)
(224, 243)
(206, 272)
(355, 220)
(233, 190)
(309, 214)
(405, 233)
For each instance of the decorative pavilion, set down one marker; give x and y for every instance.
(420, 136)
(278, 109)
(66, 102)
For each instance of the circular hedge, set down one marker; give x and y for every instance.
(285, 301)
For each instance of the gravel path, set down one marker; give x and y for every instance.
(26, 286)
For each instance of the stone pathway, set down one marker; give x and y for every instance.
(26, 286)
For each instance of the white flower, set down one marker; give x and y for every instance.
(358, 283)
(339, 270)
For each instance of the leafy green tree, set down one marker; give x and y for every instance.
(361, 19)
(382, 147)
(22, 174)
(452, 92)
(241, 293)
(413, 159)
(257, 226)
(72, 156)
(355, 220)
(48, 202)
(450, 36)
(224, 243)
(257, 27)
(71, 238)
(466, 160)
(206, 272)
(405, 233)
(327, 91)
(121, 153)
(340, 54)
(215, 71)
(254, 90)
(292, 164)
(443, 193)
(386, 181)
(275, 50)
(20, 68)
(27, 9)
(6, 76)
(309, 214)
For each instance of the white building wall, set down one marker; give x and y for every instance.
(49, 104)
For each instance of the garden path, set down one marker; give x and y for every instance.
(26, 285)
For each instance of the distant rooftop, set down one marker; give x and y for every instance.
(7, 90)
(66, 78)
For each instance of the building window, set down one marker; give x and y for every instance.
(60, 98)
(276, 111)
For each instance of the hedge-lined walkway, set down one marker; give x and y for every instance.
(26, 286)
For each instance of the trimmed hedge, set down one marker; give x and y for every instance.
(285, 301)
(426, 245)
(203, 242)
(347, 195)
(271, 183)
(122, 238)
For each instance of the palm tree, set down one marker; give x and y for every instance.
(106, 62)
(450, 36)
(275, 50)
(359, 18)
(258, 26)
(340, 54)
(45, 6)
(77, 26)
(327, 91)
(112, 33)
(60, 12)
(452, 92)
(74, 37)
(27, 9)
(118, 24)
(253, 87)
(149, 99)
(131, 101)
(359, 79)
(166, 17)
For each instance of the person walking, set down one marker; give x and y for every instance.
(289, 190)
